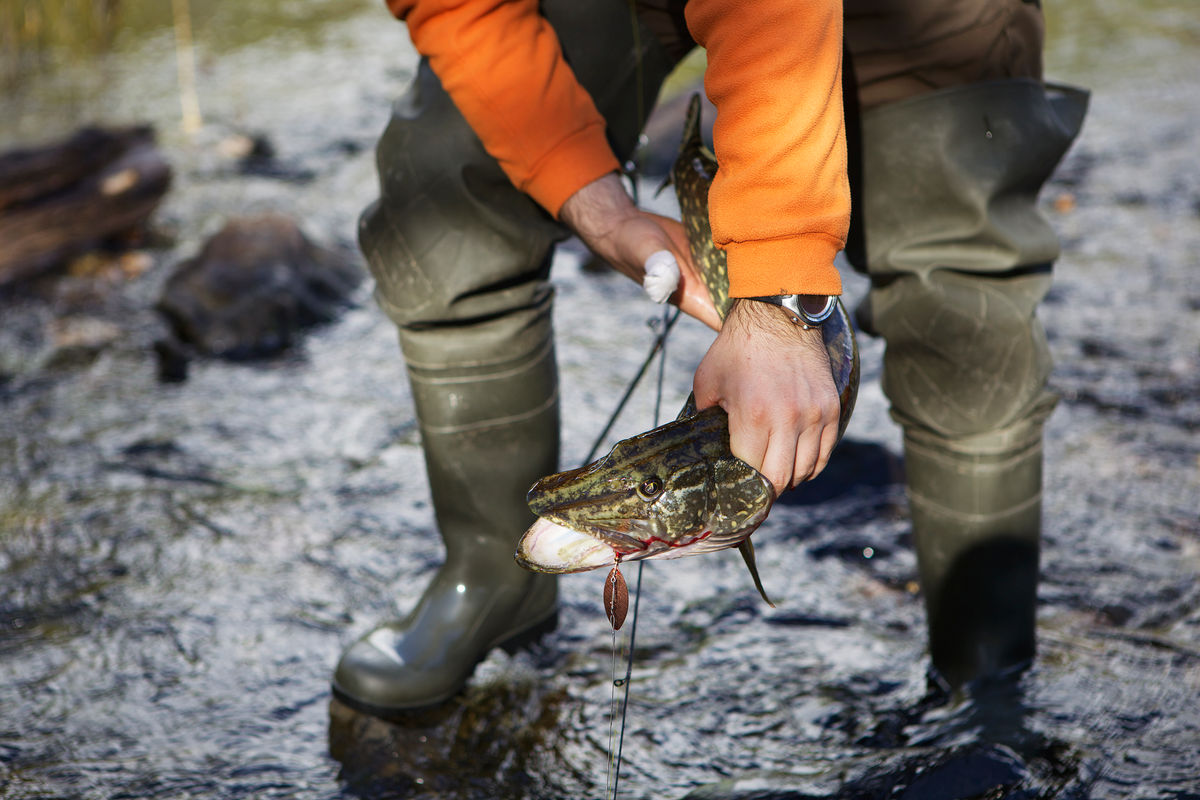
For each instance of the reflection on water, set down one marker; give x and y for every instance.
(1088, 39)
(36, 32)
(65, 62)
(46, 34)
(490, 743)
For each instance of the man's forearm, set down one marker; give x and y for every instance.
(502, 64)
(780, 204)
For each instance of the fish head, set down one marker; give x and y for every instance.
(673, 491)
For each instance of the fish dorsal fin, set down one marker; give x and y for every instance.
(746, 548)
(691, 121)
(689, 408)
(667, 181)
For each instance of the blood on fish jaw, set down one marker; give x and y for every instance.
(550, 547)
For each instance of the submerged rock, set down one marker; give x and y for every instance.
(250, 292)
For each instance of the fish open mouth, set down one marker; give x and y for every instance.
(550, 547)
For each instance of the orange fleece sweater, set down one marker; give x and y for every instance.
(780, 205)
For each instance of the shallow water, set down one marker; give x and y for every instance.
(182, 564)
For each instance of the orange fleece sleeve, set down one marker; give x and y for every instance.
(780, 204)
(502, 64)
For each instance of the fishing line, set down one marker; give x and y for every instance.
(671, 315)
(659, 347)
(624, 684)
(612, 719)
(667, 319)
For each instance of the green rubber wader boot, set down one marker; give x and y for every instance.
(489, 432)
(976, 521)
(461, 261)
(959, 258)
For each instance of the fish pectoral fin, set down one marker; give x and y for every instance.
(746, 548)
(689, 408)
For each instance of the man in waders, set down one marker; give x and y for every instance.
(510, 139)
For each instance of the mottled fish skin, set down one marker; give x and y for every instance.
(692, 174)
(672, 491)
(678, 489)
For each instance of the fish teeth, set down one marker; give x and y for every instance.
(550, 547)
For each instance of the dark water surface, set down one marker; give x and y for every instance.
(181, 565)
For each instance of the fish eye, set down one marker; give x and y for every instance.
(649, 488)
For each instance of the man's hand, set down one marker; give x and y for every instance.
(774, 380)
(770, 375)
(616, 230)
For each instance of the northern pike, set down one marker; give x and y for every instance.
(676, 490)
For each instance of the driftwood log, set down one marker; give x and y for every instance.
(62, 200)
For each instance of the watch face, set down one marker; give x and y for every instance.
(812, 304)
(816, 308)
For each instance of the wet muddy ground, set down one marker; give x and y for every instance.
(182, 564)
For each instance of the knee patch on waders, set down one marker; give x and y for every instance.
(965, 354)
(958, 254)
(450, 238)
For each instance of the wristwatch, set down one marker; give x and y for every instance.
(807, 310)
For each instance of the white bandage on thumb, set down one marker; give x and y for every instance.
(662, 276)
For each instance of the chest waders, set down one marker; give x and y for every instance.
(956, 137)
(461, 262)
(957, 253)
(959, 257)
